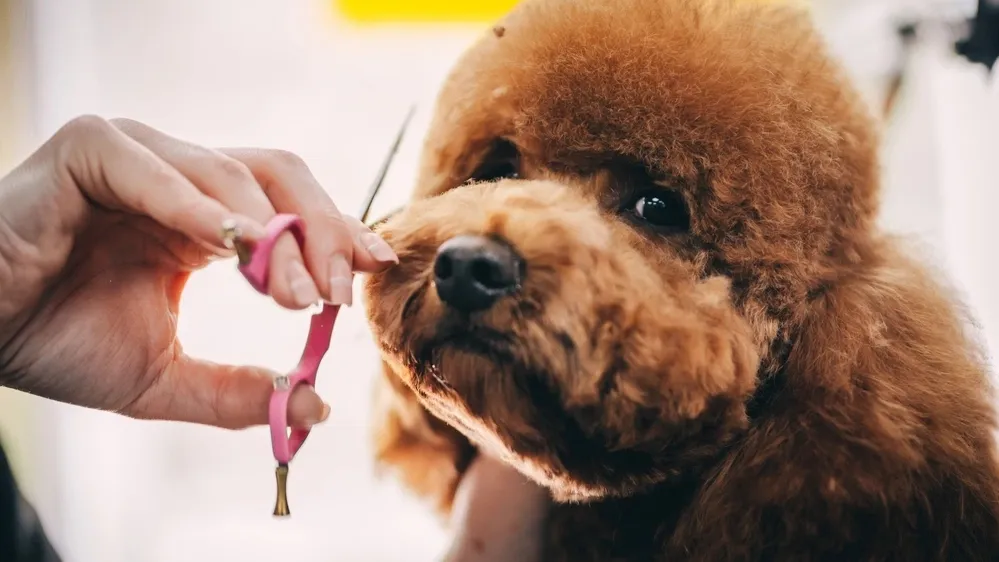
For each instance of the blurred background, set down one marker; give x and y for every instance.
(332, 81)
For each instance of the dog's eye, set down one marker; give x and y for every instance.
(502, 162)
(664, 210)
(495, 171)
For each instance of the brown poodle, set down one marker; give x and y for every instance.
(642, 266)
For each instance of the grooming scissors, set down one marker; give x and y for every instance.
(254, 265)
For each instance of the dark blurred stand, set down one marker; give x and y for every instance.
(981, 45)
(976, 39)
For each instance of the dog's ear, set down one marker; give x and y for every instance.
(893, 349)
(884, 408)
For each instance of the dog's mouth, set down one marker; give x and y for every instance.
(455, 335)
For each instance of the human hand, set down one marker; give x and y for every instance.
(100, 229)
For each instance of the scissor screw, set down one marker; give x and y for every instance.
(282, 382)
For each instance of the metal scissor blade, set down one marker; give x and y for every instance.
(386, 164)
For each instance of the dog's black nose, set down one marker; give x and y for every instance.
(473, 272)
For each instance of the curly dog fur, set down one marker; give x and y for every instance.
(768, 377)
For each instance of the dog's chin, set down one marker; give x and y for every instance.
(452, 371)
(464, 373)
(499, 390)
(481, 345)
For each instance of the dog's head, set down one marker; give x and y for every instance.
(622, 210)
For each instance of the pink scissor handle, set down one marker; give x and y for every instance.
(284, 443)
(258, 269)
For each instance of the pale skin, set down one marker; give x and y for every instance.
(100, 229)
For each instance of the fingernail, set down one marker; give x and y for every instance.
(378, 248)
(323, 416)
(303, 290)
(341, 281)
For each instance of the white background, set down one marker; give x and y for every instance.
(284, 73)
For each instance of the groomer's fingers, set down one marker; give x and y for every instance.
(232, 183)
(335, 245)
(234, 397)
(371, 253)
(115, 171)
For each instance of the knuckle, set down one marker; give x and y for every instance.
(125, 124)
(355, 225)
(340, 231)
(284, 160)
(162, 176)
(332, 217)
(86, 126)
(353, 222)
(233, 170)
(189, 208)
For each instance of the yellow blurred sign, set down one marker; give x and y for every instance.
(433, 11)
(381, 11)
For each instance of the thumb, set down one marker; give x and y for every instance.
(228, 396)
